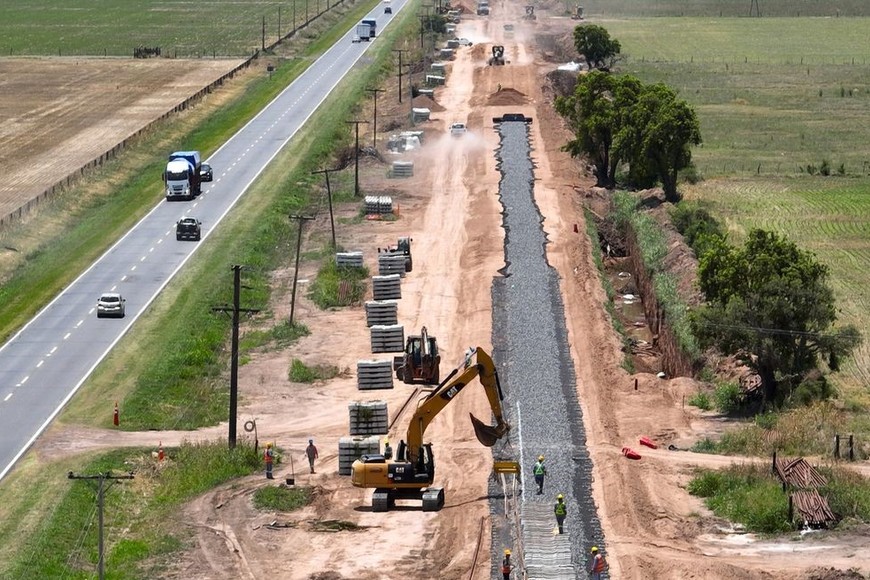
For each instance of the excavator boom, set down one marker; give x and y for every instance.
(477, 364)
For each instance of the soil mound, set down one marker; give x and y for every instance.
(427, 102)
(507, 97)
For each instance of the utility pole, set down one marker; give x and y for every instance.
(234, 356)
(329, 196)
(301, 219)
(374, 93)
(356, 159)
(279, 22)
(423, 18)
(401, 71)
(306, 13)
(101, 479)
(263, 35)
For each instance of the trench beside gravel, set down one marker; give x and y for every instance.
(536, 371)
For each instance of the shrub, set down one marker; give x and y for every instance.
(701, 400)
(729, 398)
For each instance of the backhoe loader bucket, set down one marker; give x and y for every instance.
(488, 435)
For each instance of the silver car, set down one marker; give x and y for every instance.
(111, 304)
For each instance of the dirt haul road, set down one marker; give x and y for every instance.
(653, 527)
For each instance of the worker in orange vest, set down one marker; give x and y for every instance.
(598, 565)
(506, 565)
(268, 457)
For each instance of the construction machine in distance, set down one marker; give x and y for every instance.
(497, 58)
(402, 247)
(577, 13)
(421, 361)
(530, 13)
(410, 474)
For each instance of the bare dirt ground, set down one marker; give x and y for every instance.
(653, 527)
(59, 114)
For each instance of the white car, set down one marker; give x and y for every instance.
(458, 129)
(111, 304)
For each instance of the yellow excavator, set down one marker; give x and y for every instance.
(410, 474)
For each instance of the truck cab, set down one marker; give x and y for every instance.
(182, 175)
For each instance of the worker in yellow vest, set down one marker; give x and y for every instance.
(561, 510)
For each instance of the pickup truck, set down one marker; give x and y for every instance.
(188, 228)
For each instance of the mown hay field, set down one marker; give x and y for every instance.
(179, 27)
(778, 99)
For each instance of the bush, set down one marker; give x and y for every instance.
(749, 495)
(282, 499)
(301, 373)
(325, 290)
(701, 400)
(729, 398)
(705, 445)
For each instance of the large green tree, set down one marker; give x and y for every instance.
(770, 300)
(657, 136)
(596, 46)
(594, 114)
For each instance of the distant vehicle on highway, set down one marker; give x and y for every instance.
(388, 10)
(111, 304)
(458, 129)
(188, 228)
(205, 172)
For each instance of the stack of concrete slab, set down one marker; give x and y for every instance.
(374, 374)
(352, 448)
(349, 259)
(381, 312)
(368, 418)
(387, 287)
(391, 264)
(420, 114)
(378, 204)
(447, 53)
(439, 68)
(388, 338)
(402, 169)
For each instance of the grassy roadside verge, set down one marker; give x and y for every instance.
(256, 233)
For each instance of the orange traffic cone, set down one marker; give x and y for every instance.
(160, 451)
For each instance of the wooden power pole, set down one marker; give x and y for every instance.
(234, 362)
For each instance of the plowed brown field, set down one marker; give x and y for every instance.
(58, 114)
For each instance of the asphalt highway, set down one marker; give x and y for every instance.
(48, 360)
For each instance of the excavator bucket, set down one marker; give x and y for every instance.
(488, 435)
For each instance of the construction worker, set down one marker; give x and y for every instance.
(561, 510)
(311, 452)
(388, 450)
(506, 565)
(540, 471)
(598, 564)
(269, 457)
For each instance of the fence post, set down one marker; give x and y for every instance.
(851, 448)
(837, 446)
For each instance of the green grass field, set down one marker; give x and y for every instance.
(774, 96)
(178, 27)
(727, 8)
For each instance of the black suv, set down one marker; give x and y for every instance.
(205, 172)
(188, 229)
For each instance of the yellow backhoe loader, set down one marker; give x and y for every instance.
(410, 474)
